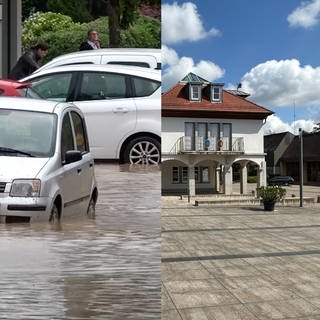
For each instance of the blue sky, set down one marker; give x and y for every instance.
(271, 47)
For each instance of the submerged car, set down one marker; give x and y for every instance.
(121, 105)
(12, 88)
(46, 168)
(281, 180)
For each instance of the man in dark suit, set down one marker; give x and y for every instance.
(92, 42)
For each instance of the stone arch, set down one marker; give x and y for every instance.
(250, 173)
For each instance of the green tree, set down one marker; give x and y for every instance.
(76, 9)
(122, 14)
(31, 6)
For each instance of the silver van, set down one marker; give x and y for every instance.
(139, 57)
(46, 168)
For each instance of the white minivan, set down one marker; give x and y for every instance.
(46, 169)
(139, 57)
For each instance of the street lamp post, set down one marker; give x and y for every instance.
(301, 166)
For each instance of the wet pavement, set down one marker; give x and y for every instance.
(107, 268)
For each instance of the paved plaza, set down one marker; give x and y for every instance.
(240, 262)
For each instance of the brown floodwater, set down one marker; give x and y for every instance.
(106, 268)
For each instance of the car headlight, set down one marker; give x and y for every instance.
(25, 188)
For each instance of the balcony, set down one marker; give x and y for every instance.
(208, 146)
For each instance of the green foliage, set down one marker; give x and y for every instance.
(145, 33)
(64, 36)
(128, 12)
(252, 179)
(31, 6)
(271, 193)
(76, 9)
(38, 24)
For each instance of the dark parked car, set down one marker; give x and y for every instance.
(281, 180)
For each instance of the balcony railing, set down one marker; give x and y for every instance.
(209, 145)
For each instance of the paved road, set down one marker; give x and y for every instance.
(227, 263)
(108, 268)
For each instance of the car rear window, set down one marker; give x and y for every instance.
(145, 87)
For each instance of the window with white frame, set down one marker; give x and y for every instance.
(195, 92)
(216, 93)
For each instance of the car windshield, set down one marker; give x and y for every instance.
(27, 133)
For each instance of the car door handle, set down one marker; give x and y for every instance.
(79, 170)
(120, 110)
(90, 164)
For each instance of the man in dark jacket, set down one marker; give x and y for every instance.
(29, 62)
(92, 42)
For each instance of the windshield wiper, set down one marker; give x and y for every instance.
(10, 150)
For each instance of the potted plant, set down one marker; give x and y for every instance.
(270, 195)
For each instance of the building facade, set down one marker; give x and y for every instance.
(10, 35)
(275, 146)
(290, 160)
(205, 130)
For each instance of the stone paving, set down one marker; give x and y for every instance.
(228, 263)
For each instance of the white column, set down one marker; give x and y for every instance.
(227, 179)
(192, 182)
(244, 179)
(217, 179)
(262, 174)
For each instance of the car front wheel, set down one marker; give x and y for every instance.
(143, 150)
(54, 214)
(91, 211)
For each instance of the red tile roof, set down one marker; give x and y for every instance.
(176, 103)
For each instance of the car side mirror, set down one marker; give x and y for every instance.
(72, 156)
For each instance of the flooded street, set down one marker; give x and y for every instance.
(107, 268)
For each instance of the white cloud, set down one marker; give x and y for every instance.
(283, 83)
(177, 68)
(306, 15)
(183, 23)
(275, 125)
(169, 56)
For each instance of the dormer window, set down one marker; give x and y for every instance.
(195, 92)
(216, 93)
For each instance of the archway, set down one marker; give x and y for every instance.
(246, 176)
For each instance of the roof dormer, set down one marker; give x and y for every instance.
(194, 85)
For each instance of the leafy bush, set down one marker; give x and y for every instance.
(38, 24)
(271, 193)
(252, 179)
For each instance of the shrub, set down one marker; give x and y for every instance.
(252, 179)
(38, 24)
(271, 193)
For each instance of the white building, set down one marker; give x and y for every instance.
(205, 130)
